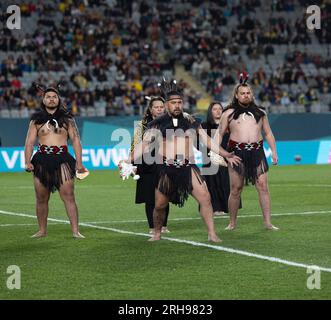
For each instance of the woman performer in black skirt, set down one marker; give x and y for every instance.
(218, 184)
(145, 188)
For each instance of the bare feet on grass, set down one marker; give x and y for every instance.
(214, 238)
(39, 234)
(230, 227)
(78, 235)
(155, 237)
(271, 227)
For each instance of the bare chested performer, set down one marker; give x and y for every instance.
(172, 136)
(246, 121)
(53, 167)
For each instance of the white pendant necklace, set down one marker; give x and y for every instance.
(56, 124)
(244, 115)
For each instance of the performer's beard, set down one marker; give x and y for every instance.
(177, 113)
(51, 107)
(245, 103)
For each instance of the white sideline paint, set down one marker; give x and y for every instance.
(299, 185)
(215, 217)
(24, 224)
(193, 243)
(17, 224)
(199, 218)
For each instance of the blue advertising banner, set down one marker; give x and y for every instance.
(295, 152)
(12, 159)
(105, 157)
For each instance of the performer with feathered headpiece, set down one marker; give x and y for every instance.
(246, 121)
(173, 136)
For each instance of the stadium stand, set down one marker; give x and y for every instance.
(109, 54)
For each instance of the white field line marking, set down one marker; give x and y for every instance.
(216, 217)
(17, 187)
(300, 185)
(25, 224)
(199, 218)
(193, 243)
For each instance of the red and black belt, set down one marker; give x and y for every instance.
(42, 148)
(234, 145)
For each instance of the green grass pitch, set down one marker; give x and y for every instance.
(110, 264)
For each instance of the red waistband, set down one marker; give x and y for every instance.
(42, 148)
(244, 145)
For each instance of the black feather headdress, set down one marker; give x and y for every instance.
(169, 89)
(243, 80)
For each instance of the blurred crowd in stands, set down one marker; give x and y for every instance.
(107, 54)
